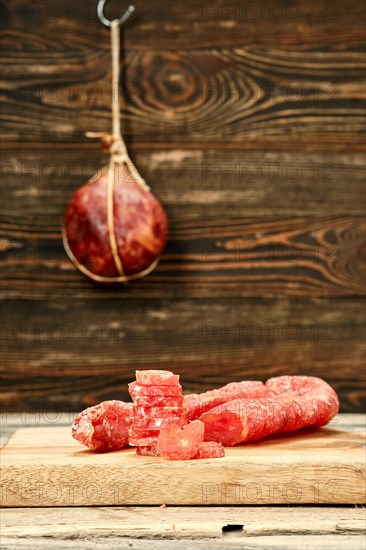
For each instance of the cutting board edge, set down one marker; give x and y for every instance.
(310, 485)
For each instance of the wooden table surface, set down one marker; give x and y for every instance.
(179, 528)
(247, 121)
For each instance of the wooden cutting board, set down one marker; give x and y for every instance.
(46, 467)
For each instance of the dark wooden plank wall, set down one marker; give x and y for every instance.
(246, 118)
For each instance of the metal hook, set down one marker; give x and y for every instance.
(106, 21)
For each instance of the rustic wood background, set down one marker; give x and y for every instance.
(246, 118)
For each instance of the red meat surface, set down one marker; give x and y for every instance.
(179, 443)
(104, 427)
(210, 449)
(140, 225)
(200, 403)
(157, 423)
(143, 441)
(158, 401)
(321, 400)
(147, 451)
(299, 403)
(164, 391)
(159, 412)
(157, 378)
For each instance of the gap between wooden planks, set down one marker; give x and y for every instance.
(182, 522)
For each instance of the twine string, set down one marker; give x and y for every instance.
(115, 145)
(119, 148)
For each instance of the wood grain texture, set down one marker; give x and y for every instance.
(247, 121)
(269, 542)
(46, 467)
(169, 528)
(62, 355)
(223, 237)
(175, 522)
(304, 257)
(210, 80)
(235, 94)
(38, 179)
